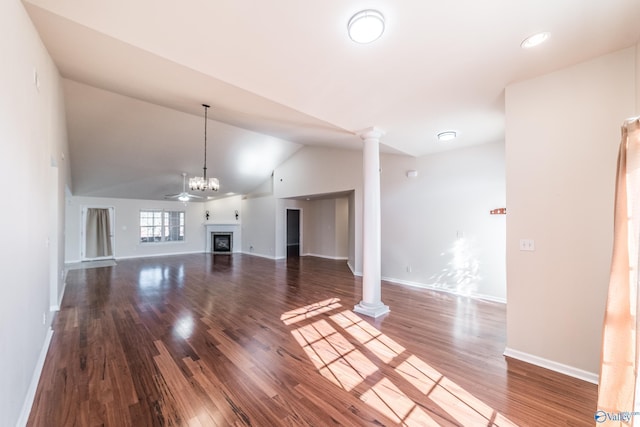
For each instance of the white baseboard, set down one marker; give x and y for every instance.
(353, 270)
(64, 288)
(260, 255)
(449, 291)
(336, 258)
(158, 255)
(553, 366)
(33, 386)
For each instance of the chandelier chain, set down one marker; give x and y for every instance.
(206, 108)
(202, 182)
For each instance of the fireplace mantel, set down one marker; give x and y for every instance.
(223, 227)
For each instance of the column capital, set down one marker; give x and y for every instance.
(371, 133)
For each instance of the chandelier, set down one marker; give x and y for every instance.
(202, 182)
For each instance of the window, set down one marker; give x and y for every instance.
(161, 226)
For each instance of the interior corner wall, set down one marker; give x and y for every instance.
(341, 230)
(322, 170)
(61, 168)
(32, 135)
(562, 138)
(326, 228)
(437, 231)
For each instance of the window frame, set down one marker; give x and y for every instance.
(160, 225)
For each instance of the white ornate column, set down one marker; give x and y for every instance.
(371, 304)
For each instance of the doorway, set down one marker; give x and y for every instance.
(293, 233)
(97, 231)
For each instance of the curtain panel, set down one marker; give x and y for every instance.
(619, 363)
(98, 238)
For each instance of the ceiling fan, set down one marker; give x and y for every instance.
(184, 196)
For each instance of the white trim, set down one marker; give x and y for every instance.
(261, 255)
(236, 245)
(157, 255)
(33, 386)
(353, 270)
(64, 288)
(336, 258)
(551, 365)
(449, 291)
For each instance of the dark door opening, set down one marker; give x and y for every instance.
(293, 233)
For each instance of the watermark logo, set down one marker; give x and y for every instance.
(602, 416)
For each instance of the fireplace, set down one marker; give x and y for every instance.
(221, 242)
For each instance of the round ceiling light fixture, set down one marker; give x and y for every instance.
(535, 40)
(447, 135)
(366, 26)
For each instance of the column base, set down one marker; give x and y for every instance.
(370, 310)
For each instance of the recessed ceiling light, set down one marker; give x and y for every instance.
(447, 136)
(366, 26)
(535, 40)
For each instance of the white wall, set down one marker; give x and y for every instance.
(223, 211)
(421, 217)
(318, 170)
(281, 224)
(33, 137)
(637, 113)
(562, 136)
(327, 228)
(436, 228)
(259, 226)
(127, 227)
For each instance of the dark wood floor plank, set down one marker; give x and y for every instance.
(235, 340)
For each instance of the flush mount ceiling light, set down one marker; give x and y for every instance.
(366, 26)
(447, 136)
(202, 182)
(535, 40)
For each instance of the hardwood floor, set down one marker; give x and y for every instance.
(236, 340)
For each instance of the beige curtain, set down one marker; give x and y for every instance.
(618, 371)
(98, 235)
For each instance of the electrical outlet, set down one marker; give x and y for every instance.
(527, 245)
(44, 318)
(408, 269)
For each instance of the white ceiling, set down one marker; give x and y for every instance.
(280, 74)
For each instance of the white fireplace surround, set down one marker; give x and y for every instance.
(223, 228)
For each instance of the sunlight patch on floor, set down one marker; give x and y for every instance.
(387, 398)
(333, 355)
(379, 344)
(339, 361)
(302, 313)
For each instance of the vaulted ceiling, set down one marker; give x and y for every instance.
(282, 74)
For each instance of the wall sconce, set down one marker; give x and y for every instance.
(237, 215)
(206, 215)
